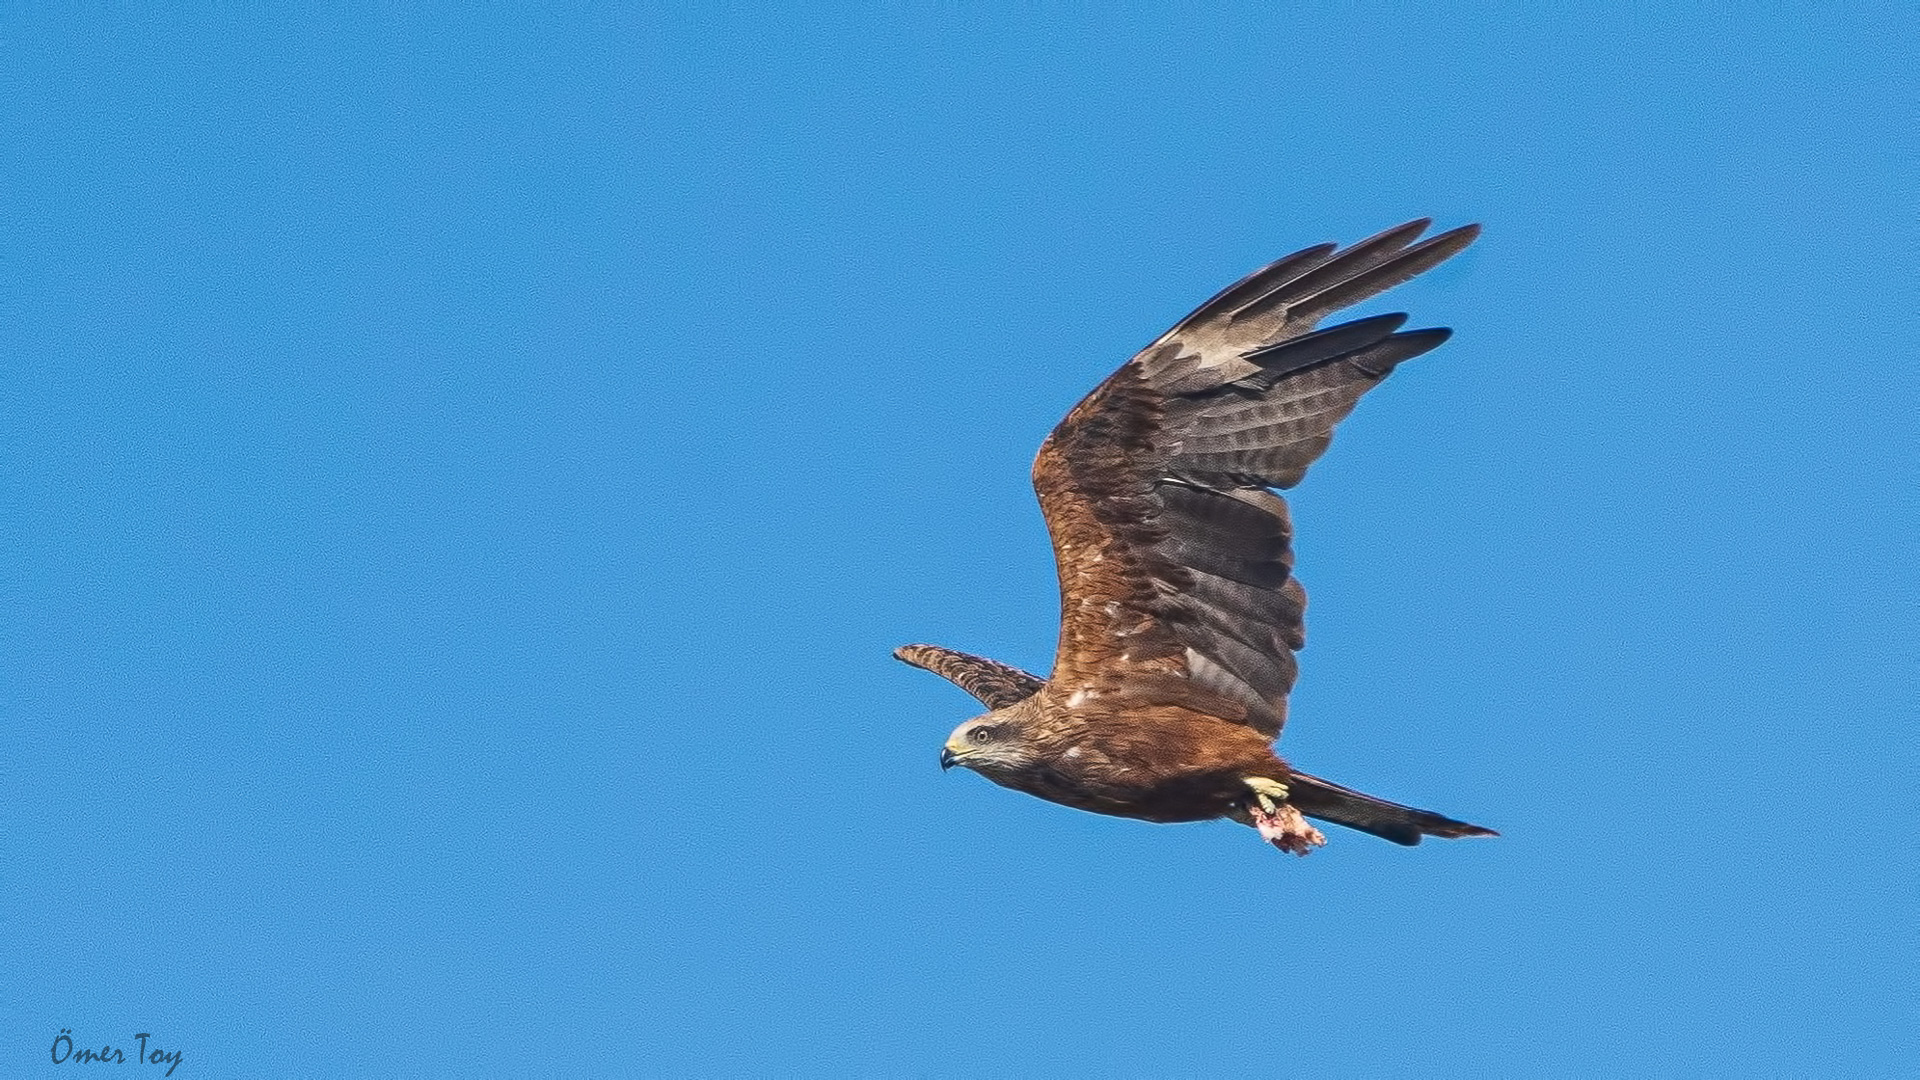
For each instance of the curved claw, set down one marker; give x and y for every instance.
(1268, 793)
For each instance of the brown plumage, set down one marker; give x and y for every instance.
(1180, 614)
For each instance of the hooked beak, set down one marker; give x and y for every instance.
(947, 759)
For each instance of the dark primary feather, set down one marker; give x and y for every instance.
(1296, 354)
(1376, 275)
(1331, 273)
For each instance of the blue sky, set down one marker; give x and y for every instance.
(461, 475)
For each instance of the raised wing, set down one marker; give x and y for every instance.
(1175, 560)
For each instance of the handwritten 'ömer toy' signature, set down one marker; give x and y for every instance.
(64, 1051)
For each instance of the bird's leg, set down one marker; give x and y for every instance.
(1279, 823)
(1267, 792)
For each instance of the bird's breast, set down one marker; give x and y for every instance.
(1148, 767)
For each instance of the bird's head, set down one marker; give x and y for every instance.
(993, 745)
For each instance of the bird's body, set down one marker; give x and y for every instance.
(1179, 611)
(1164, 763)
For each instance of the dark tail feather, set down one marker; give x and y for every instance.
(1328, 801)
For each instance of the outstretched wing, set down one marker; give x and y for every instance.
(1175, 560)
(997, 685)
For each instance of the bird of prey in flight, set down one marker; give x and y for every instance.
(1179, 611)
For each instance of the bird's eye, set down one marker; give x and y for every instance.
(980, 735)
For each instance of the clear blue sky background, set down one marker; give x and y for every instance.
(461, 476)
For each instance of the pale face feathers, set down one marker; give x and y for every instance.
(992, 745)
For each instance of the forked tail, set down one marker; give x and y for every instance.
(1328, 801)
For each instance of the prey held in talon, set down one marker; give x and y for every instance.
(1180, 613)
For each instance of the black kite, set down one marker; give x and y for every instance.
(1180, 614)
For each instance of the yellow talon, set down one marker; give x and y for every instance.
(1269, 793)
